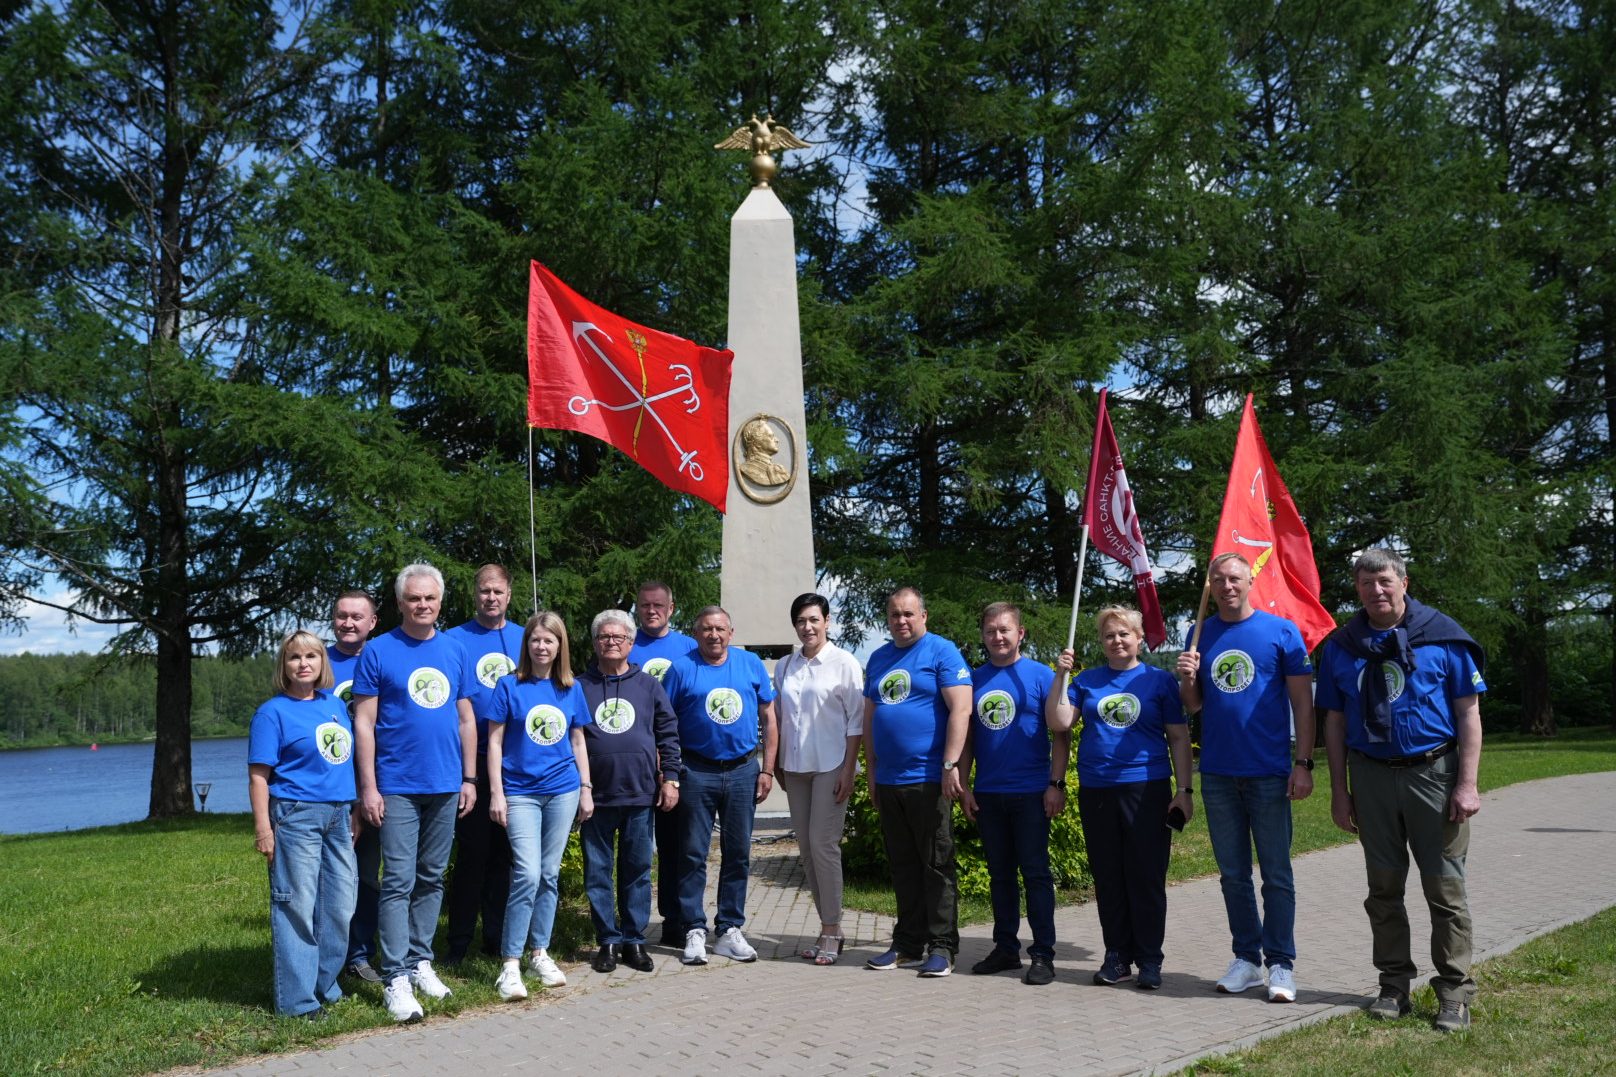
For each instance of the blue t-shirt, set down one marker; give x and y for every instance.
(1422, 711)
(1126, 713)
(1245, 706)
(342, 671)
(492, 653)
(653, 654)
(308, 744)
(416, 684)
(1009, 739)
(536, 754)
(718, 705)
(911, 715)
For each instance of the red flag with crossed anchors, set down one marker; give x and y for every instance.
(661, 399)
(1113, 522)
(1260, 523)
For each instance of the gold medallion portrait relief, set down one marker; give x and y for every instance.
(765, 458)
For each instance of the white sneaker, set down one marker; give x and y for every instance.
(1242, 976)
(733, 945)
(695, 947)
(400, 1000)
(426, 981)
(510, 985)
(1281, 984)
(545, 969)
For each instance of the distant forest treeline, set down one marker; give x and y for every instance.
(80, 698)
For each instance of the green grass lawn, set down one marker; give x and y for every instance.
(1542, 1009)
(137, 948)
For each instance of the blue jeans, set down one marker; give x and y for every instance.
(362, 931)
(620, 835)
(312, 881)
(1241, 812)
(417, 833)
(729, 796)
(538, 826)
(1015, 838)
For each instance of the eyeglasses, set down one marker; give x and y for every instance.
(611, 641)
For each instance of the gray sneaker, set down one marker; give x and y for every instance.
(1390, 1006)
(1453, 1016)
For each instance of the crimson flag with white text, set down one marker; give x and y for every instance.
(1113, 522)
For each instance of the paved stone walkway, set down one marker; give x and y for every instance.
(1539, 859)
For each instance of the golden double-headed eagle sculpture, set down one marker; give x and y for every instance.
(762, 139)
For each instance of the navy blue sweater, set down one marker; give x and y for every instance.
(633, 736)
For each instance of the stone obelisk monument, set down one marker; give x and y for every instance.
(768, 557)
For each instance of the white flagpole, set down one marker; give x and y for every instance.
(532, 525)
(1077, 597)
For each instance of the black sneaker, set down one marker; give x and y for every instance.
(1390, 1006)
(1149, 978)
(1040, 972)
(1114, 971)
(997, 961)
(364, 970)
(1452, 1016)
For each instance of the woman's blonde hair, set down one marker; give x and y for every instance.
(1126, 614)
(561, 668)
(300, 638)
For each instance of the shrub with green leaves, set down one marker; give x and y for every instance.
(864, 856)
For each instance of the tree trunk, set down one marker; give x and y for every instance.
(1530, 645)
(171, 760)
(929, 489)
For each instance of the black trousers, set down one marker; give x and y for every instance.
(1125, 831)
(917, 826)
(481, 880)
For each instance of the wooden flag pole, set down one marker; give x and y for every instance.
(1077, 597)
(1200, 615)
(532, 523)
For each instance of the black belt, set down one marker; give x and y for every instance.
(716, 764)
(1401, 761)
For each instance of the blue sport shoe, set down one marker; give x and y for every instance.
(1114, 971)
(1149, 977)
(892, 959)
(937, 963)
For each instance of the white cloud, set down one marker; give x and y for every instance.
(47, 632)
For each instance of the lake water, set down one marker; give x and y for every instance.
(71, 788)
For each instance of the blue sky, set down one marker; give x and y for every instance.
(47, 631)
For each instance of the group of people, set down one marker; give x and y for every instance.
(665, 736)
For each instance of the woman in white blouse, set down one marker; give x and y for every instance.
(821, 706)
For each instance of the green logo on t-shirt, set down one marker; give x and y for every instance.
(656, 667)
(1119, 710)
(545, 724)
(344, 692)
(614, 716)
(334, 743)
(491, 667)
(724, 705)
(1233, 671)
(429, 688)
(1395, 681)
(996, 709)
(895, 686)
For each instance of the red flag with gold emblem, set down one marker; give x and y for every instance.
(659, 398)
(1261, 524)
(1113, 522)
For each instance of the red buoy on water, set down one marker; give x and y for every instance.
(95, 747)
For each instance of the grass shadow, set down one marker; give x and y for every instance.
(233, 975)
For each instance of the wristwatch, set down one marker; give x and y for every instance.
(1057, 783)
(671, 781)
(1305, 761)
(949, 764)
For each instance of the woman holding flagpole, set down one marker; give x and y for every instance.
(1133, 740)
